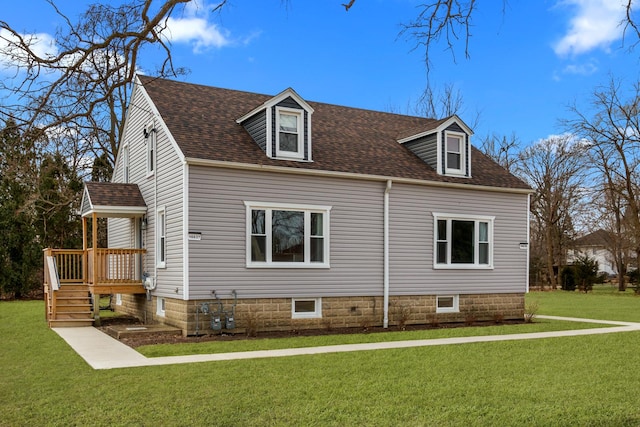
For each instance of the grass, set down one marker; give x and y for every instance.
(575, 381)
(605, 302)
(160, 350)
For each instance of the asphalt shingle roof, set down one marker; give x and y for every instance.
(114, 194)
(597, 238)
(202, 119)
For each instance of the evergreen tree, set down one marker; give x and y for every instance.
(20, 251)
(57, 207)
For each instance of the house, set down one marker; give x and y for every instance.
(597, 245)
(278, 213)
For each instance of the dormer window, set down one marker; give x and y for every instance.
(455, 153)
(442, 144)
(289, 142)
(281, 127)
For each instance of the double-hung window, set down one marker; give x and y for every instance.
(455, 150)
(161, 238)
(150, 140)
(125, 164)
(289, 135)
(284, 235)
(462, 241)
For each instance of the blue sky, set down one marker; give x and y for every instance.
(527, 64)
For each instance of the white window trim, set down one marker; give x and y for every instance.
(299, 114)
(463, 154)
(460, 217)
(454, 309)
(317, 314)
(152, 149)
(307, 209)
(118, 299)
(161, 306)
(161, 234)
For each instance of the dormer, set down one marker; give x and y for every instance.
(281, 127)
(445, 145)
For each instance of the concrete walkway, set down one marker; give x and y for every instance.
(101, 351)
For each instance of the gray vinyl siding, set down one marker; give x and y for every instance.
(289, 102)
(426, 148)
(411, 241)
(120, 233)
(85, 203)
(256, 126)
(169, 173)
(218, 261)
(455, 127)
(120, 230)
(169, 176)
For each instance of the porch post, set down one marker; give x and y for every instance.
(94, 256)
(85, 259)
(94, 245)
(84, 233)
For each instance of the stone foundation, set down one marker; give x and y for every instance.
(274, 314)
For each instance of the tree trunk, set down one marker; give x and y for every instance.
(550, 260)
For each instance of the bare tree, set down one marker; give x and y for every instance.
(618, 243)
(504, 150)
(451, 21)
(83, 85)
(444, 102)
(553, 167)
(611, 132)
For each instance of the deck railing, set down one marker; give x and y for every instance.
(113, 266)
(69, 263)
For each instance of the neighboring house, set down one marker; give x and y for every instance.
(313, 215)
(596, 245)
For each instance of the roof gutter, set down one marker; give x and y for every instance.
(350, 175)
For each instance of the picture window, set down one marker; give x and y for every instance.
(463, 241)
(287, 235)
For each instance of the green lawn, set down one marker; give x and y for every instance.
(540, 325)
(590, 380)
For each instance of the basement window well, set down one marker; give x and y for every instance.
(308, 308)
(160, 309)
(447, 304)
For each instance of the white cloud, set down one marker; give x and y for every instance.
(595, 25)
(196, 31)
(194, 28)
(42, 44)
(581, 69)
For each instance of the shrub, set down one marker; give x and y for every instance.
(568, 278)
(402, 315)
(634, 280)
(586, 271)
(530, 311)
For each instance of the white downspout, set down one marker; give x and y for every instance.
(528, 241)
(154, 141)
(387, 190)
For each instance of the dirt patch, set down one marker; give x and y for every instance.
(145, 338)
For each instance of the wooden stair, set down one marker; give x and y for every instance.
(70, 306)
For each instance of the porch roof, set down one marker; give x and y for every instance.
(115, 200)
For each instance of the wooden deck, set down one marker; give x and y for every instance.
(74, 279)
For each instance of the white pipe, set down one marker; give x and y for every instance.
(387, 190)
(528, 241)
